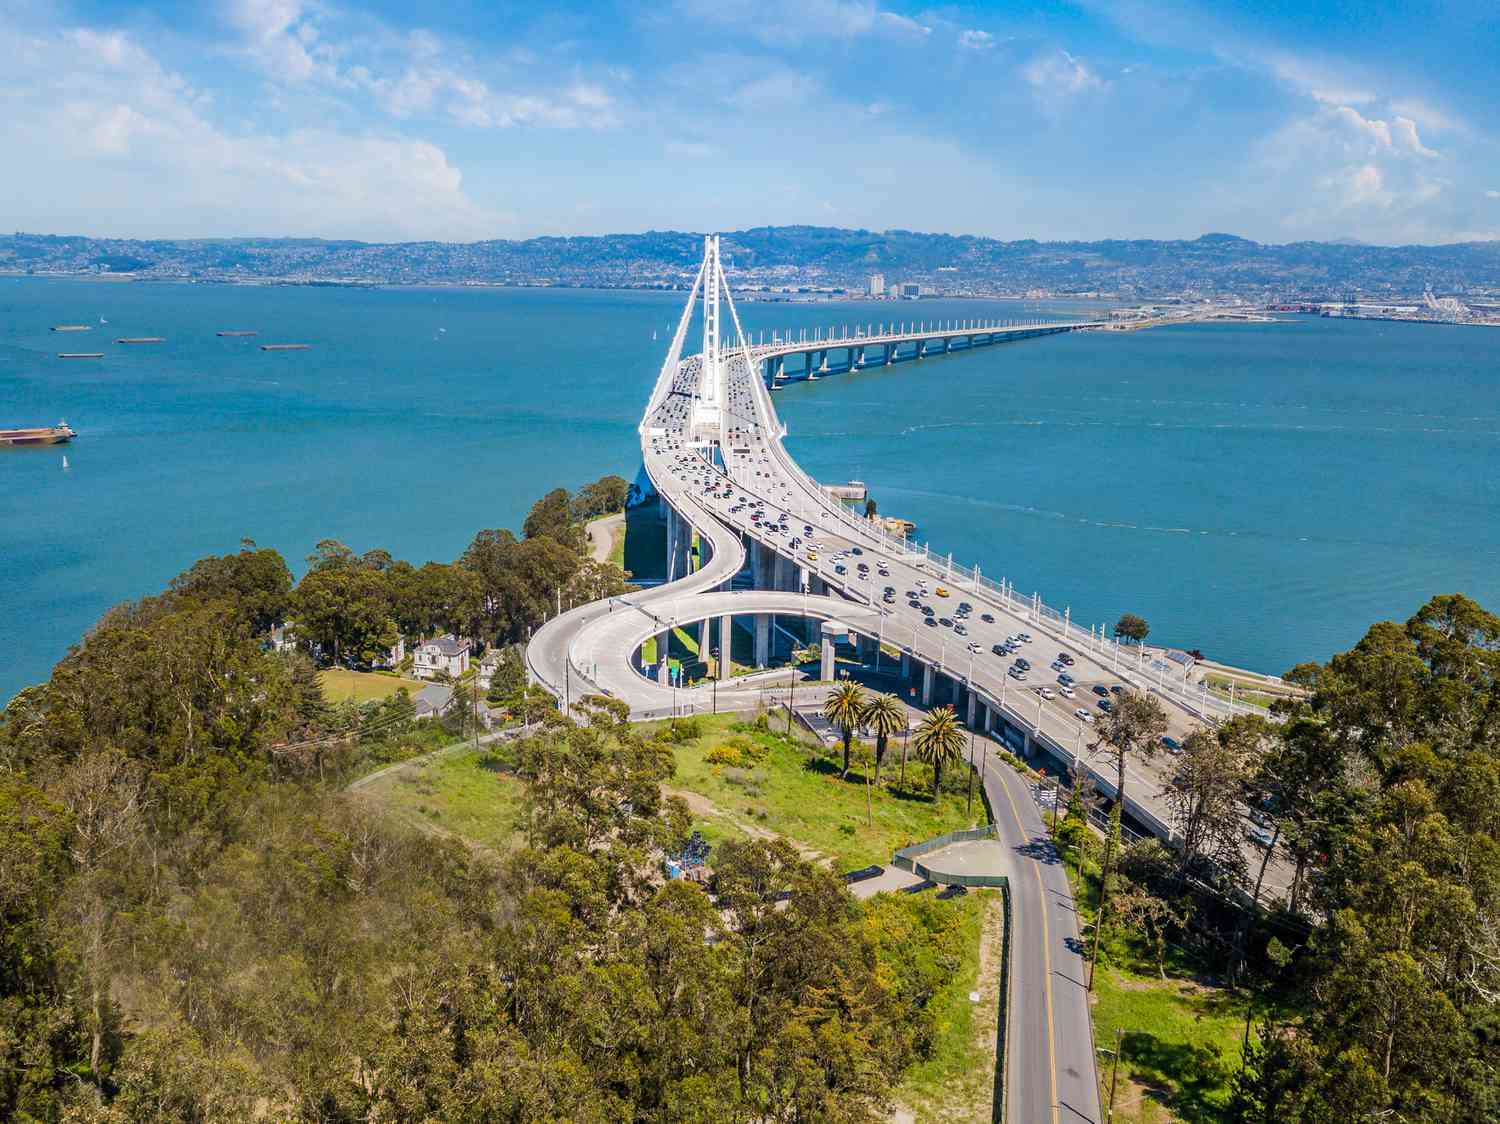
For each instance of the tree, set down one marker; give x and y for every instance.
(552, 517)
(883, 715)
(939, 741)
(346, 609)
(1132, 729)
(1132, 627)
(1153, 917)
(604, 496)
(845, 708)
(255, 582)
(509, 678)
(1204, 795)
(870, 509)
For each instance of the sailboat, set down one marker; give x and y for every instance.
(65, 462)
(653, 333)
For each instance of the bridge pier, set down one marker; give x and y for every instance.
(905, 665)
(825, 668)
(782, 578)
(726, 644)
(890, 353)
(973, 704)
(762, 639)
(926, 684)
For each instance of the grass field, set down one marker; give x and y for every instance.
(456, 792)
(957, 1083)
(1181, 1040)
(1180, 1047)
(341, 685)
(795, 791)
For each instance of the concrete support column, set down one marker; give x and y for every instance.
(905, 665)
(663, 647)
(762, 639)
(926, 684)
(958, 689)
(726, 644)
(704, 640)
(890, 353)
(825, 669)
(947, 344)
(783, 578)
(801, 578)
(973, 705)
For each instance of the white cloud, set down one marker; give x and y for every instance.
(894, 24)
(975, 40)
(113, 136)
(1059, 77)
(1492, 194)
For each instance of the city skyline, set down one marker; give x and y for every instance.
(1080, 121)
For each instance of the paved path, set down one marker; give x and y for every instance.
(602, 535)
(1051, 1075)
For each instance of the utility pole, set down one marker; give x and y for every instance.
(969, 803)
(1114, 1072)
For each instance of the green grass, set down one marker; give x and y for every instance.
(1181, 1039)
(956, 1082)
(617, 546)
(1180, 1047)
(457, 792)
(340, 685)
(795, 791)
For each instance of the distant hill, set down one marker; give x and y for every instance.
(796, 256)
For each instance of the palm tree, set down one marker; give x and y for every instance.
(845, 708)
(939, 741)
(883, 716)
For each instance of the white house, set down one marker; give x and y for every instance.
(446, 654)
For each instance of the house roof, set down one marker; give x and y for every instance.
(435, 698)
(448, 644)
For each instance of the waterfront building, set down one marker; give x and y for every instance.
(877, 284)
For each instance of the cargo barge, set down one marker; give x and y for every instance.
(72, 327)
(58, 434)
(142, 339)
(285, 346)
(237, 332)
(80, 355)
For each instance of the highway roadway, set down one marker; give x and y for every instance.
(724, 474)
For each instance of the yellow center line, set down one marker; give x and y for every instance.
(1046, 954)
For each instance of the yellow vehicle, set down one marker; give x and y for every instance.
(941, 592)
(812, 555)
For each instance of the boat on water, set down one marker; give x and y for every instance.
(72, 327)
(58, 434)
(80, 355)
(141, 339)
(236, 332)
(285, 346)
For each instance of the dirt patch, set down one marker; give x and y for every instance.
(701, 805)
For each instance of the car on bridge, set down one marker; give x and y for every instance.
(941, 592)
(1083, 715)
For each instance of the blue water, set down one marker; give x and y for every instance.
(1260, 491)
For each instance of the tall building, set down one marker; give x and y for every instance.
(877, 284)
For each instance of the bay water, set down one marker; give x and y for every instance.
(1260, 491)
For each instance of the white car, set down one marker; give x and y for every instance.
(1067, 692)
(1083, 715)
(1047, 693)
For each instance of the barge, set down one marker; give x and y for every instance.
(237, 332)
(141, 339)
(80, 355)
(58, 434)
(285, 346)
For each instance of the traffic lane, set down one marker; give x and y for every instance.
(1051, 1074)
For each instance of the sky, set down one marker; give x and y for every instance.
(462, 120)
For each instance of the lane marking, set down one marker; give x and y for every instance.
(1046, 949)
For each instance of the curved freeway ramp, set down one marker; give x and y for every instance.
(711, 443)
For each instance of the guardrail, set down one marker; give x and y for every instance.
(905, 858)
